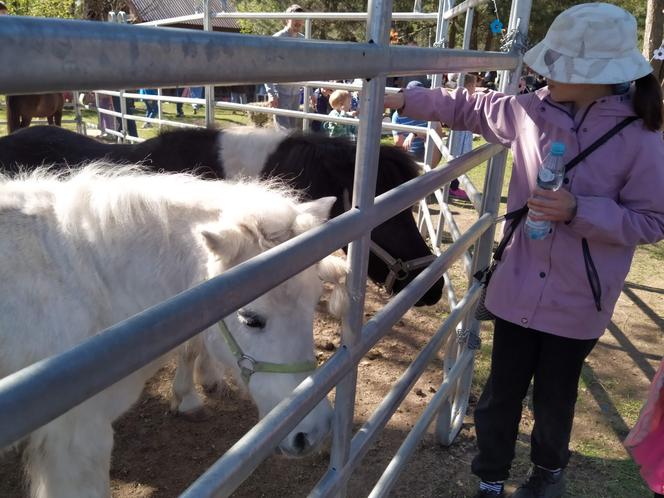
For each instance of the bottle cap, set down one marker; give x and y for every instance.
(557, 148)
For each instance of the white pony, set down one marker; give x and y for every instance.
(82, 252)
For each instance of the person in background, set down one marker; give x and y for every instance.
(411, 142)
(151, 106)
(646, 440)
(463, 141)
(196, 92)
(320, 101)
(553, 298)
(179, 92)
(341, 102)
(282, 95)
(131, 124)
(3, 9)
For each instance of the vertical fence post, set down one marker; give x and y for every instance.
(78, 117)
(450, 409)
(364, 189)
(159, 109)
(123, 112)
(307, 89)
(449, 421)
(209, 89)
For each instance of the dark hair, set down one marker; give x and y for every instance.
(3, 6)
(648, 102)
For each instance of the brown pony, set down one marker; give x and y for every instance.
(22, 108)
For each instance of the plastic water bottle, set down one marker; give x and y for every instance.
(549, 177)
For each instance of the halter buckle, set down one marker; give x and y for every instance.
(400, 270)
(247, 366)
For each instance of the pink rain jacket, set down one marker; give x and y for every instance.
(646, 439)
(619, 189)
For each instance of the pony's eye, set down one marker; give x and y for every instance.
(250, 319)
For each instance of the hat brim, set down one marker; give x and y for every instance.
(566, 69)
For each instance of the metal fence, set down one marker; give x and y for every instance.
(56, 55)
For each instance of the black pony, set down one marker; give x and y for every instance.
(319, 165)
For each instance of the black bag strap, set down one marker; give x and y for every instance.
(517, 215)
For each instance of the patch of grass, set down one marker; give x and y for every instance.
(594, 473)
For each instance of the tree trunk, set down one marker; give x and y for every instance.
(652, 37)
(451, 34)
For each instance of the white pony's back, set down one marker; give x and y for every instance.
(108, 228)
(81, 252)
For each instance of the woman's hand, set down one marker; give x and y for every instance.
(394, 101)
(552, 205)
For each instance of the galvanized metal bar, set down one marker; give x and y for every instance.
(398, 462)
(463, 7)
(449, 422)
(306, 89)
(375, 329)
(209, 89)
(474, 195)
(326, 16)
(160, 116)
(49, 55)
(454, 137)
(364, 189)
(123, 115)
(78, 117)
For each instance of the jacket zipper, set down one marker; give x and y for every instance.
(583, 118)
(593, 276)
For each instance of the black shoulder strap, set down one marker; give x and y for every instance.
(517, 215)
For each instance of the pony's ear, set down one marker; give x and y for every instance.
(225, 242)
(333, 269)
(313, 213)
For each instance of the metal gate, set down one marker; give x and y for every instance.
(57, 55)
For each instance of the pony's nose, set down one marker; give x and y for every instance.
(300, 442)
(297, 445)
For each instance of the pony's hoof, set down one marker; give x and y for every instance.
(198, 415)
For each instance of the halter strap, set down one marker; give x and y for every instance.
(398, 269)
(249, 365)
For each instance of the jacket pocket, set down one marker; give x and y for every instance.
(591, 273)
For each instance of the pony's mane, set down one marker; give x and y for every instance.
(306, 158)
(119, 195)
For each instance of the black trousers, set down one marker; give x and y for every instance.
(519, 355)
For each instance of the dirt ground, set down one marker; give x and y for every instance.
(157, 455)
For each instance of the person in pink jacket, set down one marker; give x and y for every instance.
(646, 440)
(554, 297)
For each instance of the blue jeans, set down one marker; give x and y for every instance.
(131, 124)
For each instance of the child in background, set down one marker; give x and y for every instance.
(463, 141)
(341, 102)
(411, 142)
(646, 440)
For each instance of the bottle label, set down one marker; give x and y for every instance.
(546, 175)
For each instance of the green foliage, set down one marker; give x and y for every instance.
(421, 33)
(43, 8)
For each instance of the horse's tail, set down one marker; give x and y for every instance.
(13, 116)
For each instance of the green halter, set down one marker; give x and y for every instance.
(249, 366)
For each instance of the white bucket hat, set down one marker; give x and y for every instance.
(590, 43)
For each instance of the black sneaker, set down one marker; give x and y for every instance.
(541, 483)
(482, 493)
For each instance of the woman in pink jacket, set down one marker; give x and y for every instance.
(554, 297)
